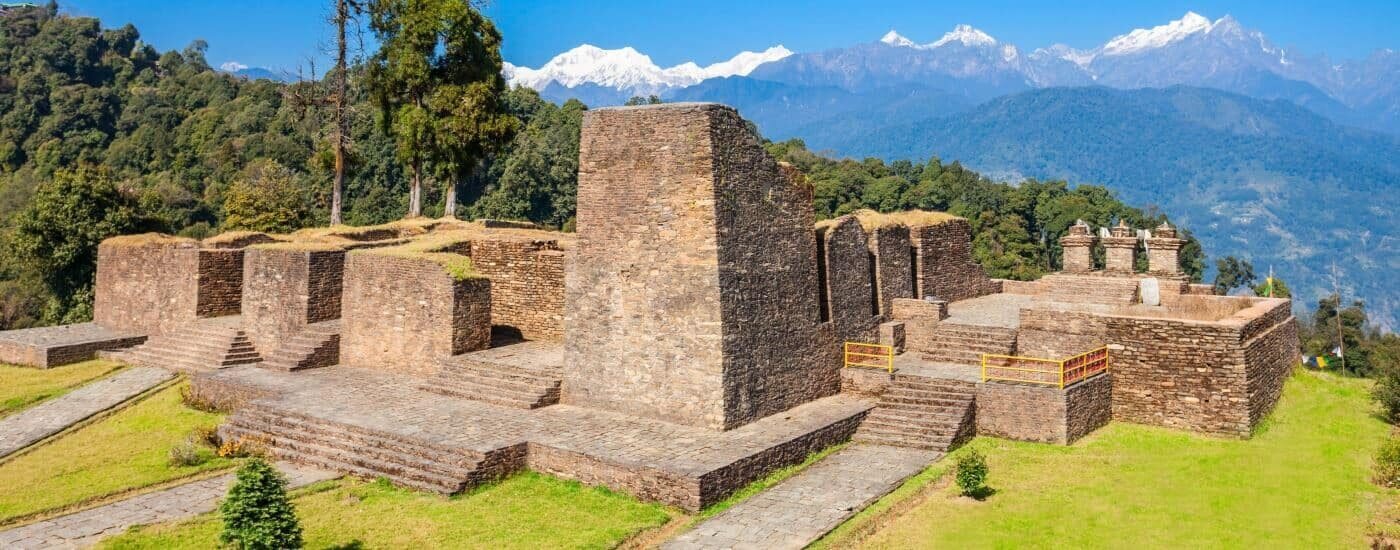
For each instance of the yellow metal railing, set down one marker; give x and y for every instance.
(869, 356)
(1060, 373)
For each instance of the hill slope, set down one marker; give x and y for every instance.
(1266, 180)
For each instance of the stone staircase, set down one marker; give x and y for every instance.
(495, 383)
(366, 452)
(316, 346)
(965, 344)
(200, 347)
(921, 413)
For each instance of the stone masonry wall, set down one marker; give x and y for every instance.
(1029, 412)
(894, 265)
(404, 314)
(286, 289)
(944, 265)
(1270, 353)
(850, 289)
(220, 282)
(1054, 334)
(146, 289)
(1180, 374)
(527, 285)
(693, 295)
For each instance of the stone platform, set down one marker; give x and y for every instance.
(46, 347)
(460, 442)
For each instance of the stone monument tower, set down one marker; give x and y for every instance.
(1076, 245)
(693, 296)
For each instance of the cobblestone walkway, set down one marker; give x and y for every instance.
(86, 528)
(806, 506)
(50, 417)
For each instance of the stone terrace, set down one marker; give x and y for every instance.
(685, 466)
(46, 347)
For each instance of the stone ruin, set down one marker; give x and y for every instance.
(687, 340)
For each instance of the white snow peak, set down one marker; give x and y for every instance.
(1156, 37)
(895, 39)
(967, 36)
(626, 68)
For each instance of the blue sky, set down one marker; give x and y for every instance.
(284, 34)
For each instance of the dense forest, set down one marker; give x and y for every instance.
(101, 135)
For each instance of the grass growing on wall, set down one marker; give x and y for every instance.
(125, 451)
(528, 510)
(21, 387)
(1301, 482)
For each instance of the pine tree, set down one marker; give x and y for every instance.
(257, 514)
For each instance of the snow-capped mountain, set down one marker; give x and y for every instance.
(627, 70)
(1193, 50)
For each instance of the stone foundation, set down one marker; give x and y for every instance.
(404, 314)
(1029, 412)
(286, 288)
(46, 347)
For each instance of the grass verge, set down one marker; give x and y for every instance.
(22, 387)
(529, 510)
(1301, 482)
(126, 451)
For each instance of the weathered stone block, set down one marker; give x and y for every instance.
(693, 296)
(286, 288)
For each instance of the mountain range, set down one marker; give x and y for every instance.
(1284, 158)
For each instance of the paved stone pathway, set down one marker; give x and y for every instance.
(50, 417)
(806, 506)
(86, 528)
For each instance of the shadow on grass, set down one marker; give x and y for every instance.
(981, 493)
(352, 545)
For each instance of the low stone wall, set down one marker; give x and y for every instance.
(920, 318)
(1029, 412)
(403, 314)
(894, 265)
(287, 288)
(1055, 334)
(46, 347)
(850, 299)
(943, 262)
(720, 483)
(865, 382)
(527, 284)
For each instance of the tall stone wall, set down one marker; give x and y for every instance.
(894, 265)
(220, 282)
(693, 296)
(287, 288)
(148, 287)
(403, 314)
(943, 262)
(851, 301)
(527, 284)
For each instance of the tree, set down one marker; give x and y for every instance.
(437, 77)
(345, 11)
(1232, 273)
(639, 100)
(265, 199)
(1273, 286)
(257, 514)
(56, 236)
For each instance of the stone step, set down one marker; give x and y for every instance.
(200, 360)
(488, 370)
(925, 393)
(927, 428)
(372, 436)
(918, 408)
(494, 380)
(934, 384)
(355, 465)
(887, 400)
(488, 394)
(448, 465)
(899, 441)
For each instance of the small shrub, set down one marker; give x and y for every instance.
(972, 475)
(194, 401)
(186, 454)
(1386, 392)
(1387, 467)
(207, 435)
(240, 447)
(257, 514)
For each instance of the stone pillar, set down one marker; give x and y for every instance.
(1077, 245)
(1120, 249)
(692, 296)
(1164, 251)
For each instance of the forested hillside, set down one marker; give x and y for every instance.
(101, 135)
(1265, 180)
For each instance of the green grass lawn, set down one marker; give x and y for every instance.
(21, 387)
(125, 451)
(528, 510)
(1301, 482)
